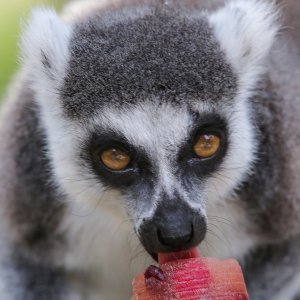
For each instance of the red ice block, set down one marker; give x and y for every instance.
(194, 278)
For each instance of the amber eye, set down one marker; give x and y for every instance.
(207, 145)
(115, 159)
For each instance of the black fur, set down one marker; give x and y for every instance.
(139, 166)
(188, 164)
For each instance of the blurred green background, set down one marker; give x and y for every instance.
(12, 14)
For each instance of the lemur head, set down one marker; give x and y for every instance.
(151, 105)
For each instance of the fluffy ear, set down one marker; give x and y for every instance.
(246, 30)
(44, 46)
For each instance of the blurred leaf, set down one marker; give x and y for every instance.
(12, 14)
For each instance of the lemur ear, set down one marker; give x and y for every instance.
(246, 31)
(44, 47)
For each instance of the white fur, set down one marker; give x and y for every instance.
(9, 291)
(103, 244)
(79, 9)
(100, 238)
(228, 219)
(227, 234)
(153, 128)
(46, 35)
(159, 130)
(138, 126)
(246, 30)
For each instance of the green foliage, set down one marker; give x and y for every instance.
(12, 14)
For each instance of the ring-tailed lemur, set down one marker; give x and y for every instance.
(148, 125)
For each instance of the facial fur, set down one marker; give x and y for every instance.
(150, 81)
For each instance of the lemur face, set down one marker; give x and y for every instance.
(156, 136)
(162, 158)
(152, 106)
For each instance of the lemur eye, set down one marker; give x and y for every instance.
(207, 145)
(115, 159)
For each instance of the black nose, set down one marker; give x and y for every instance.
(175, 240)
(175, 226)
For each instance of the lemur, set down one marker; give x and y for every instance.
(142, 127)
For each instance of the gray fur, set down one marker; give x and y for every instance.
(31, 206)
(273, 268)
(110, 63)
(36, 280)
(34, 188)
(182, 63)
(272, 193)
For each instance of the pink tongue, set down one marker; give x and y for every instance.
(167, 257)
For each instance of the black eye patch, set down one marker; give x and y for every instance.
(189, 162)
(99, 141)
(140, 166)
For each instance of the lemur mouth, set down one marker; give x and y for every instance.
(163, 258)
